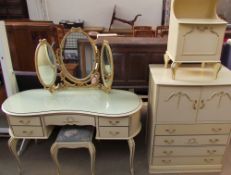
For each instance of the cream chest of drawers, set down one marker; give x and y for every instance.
(189, 120)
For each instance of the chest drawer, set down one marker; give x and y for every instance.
(113, 121)
(27, 131)
(192, 140)
(29, 121)
(113, 132)
(187, 160)
(70, 120)
(192, 129)
(188, 151)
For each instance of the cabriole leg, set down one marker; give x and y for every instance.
(131, 144)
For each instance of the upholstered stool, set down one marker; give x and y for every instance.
(74, 137)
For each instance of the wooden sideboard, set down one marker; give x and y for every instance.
(132, 55)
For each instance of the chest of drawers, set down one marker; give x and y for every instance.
(188, 120)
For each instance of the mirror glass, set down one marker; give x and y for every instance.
(107, 68)
(78, 54)
(45, 63)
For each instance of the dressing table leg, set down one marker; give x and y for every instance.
(54, 155)
(91, 148)
(12, 143)
(131, 144)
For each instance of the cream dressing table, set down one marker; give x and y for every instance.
(32, 114)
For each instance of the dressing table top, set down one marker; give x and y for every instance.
(117, 103)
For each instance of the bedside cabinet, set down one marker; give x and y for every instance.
(189, 120)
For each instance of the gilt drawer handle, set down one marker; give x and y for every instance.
(213, 140)
(114, 133)
(166, 161)
(24, 122)
(195, 104)
(114, 122)
(170, 131)
(208, 160)
(168, 153)
(169, 142)
(211, 152)
(202, 104)
(192, 141)
(27, 132)
(70, 120)
(216, 129)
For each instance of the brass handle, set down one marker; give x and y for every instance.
(195, 104)
(166, 161)
(213, 140)
(208, 160)
(170, 131)
(24, 122)
(114, 133)
(216, 129)
(211, 152)
(27, 132)
(169, 141)
(192, 141)
(114, 122)
(202, 104)
(168, 153)
(70, 120)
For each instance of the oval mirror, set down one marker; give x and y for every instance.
(78, 56)
(45, 64)
(106, 65)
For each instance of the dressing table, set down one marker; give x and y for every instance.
(73, 99)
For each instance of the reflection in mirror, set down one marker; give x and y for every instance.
(45, 64)
(107, 68)
(78, 54)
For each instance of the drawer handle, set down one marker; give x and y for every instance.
(211, 152)
(213, 140)
(202, 104)
(192, 141)
(114, 133)
(168, 153)
(114, 122)
(27, 132)
(70, 120)
(216, 130)
(170, 131)
(169, 142)
(208, 160)
(195, 104)
(24, 122)
(166, 161)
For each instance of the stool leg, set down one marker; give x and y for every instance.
(91, 148)
(131, 144)
(54, 155)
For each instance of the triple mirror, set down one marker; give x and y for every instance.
(78, 62)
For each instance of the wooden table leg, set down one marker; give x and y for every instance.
(131, 144)
(12, 143)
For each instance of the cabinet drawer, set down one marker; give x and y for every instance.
(186, 151)
(113, 121)
(192, 140)
(27, 131)
(30, 121)
(70, 120)
(187, 160)
(192, 129)
(113, 132)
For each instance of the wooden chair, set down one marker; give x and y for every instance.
(74, 137)
(162, 31)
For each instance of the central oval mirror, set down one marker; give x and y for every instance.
(78, 56)
(45, 64)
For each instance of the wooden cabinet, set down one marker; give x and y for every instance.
(189, 121)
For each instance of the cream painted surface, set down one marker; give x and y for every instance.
(192, 129)
(35, 121)
(113, 132)
(98, 13)
(113, 122)
(28, 131)
(160, 151)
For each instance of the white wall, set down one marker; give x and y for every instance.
(99, 12)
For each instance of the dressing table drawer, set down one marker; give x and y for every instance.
(70, 120)
(113, 132)
(113, 121)
(27, 131)
(22, 121)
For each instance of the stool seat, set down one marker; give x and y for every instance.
(75, 134)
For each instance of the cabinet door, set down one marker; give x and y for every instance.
(215, 104)
(177, 104)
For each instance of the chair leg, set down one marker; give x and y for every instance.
(54, 155)
(91, 148)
